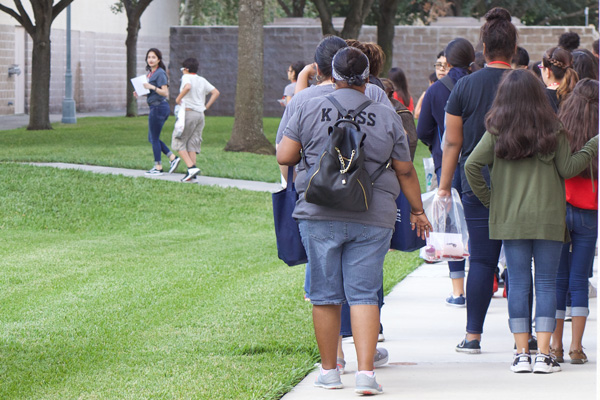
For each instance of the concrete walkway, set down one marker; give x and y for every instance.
(421, 333)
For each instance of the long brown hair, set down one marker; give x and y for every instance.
(560, 62)
(521, 117)
(579, 115)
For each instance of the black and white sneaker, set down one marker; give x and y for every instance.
(174, 164)
(154, 171)
(192, 172)
(545, 364)
(469, 346)
(521, 363)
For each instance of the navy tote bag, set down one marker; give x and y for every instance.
(404, 238)
(289, 243)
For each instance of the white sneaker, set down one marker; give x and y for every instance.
(381, 357)
(192, 172)
(545, 364)
(521, 363)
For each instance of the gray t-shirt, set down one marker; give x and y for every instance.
(385, 139)
(373, 92)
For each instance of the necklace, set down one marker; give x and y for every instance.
(500, 62)
(554, 84)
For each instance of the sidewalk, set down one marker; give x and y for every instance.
(421, 333)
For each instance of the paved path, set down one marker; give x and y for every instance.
(421, 333)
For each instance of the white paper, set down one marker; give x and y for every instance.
(138, 85)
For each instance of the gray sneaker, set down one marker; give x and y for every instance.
(381, 357)
(331, 380)
(367, 385)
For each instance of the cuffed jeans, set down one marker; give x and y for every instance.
(546, 254)
(156, 119)
(482, 262)
(576, 260)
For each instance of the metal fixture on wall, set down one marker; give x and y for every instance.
(14, 70)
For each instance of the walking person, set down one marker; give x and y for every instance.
(529, 151)
(346, 249)
(579, 114)
(159, 109)
(459, 55)
(192, 96)
(470, 100)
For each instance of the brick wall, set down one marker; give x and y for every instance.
(415, 48)
(7, 57)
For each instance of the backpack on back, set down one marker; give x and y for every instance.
(339, 179)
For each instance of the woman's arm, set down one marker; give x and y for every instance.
(482, 155)
(186, 89)
(288, 152)
(427, 126)
(163, 90)
(419, 105)
(409, 183)
(214, 95)
(569, 165)
(452, 148)
(305, 76)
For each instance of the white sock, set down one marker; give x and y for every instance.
(368, 373)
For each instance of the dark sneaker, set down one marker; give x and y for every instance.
(521, 363)
(469, 346)
(532, 344)
(191, 173)
(381, 357)
(367, 385)
(545, 364)
(578, 357)
(330, 380)
(459, 301)
(174, 164)
(154, 171)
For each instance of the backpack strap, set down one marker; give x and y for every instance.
(342, 110)
(448, 82)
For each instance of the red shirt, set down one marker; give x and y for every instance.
(411, 106)
(582, 192)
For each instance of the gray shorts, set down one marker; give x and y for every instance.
(191, 138)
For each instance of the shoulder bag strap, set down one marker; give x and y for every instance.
(343, 111)
(448, 82)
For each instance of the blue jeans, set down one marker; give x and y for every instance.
(457, 268)
(346, 261)
(482, 262)
(156, 119)
(546, 254)
(576, 260)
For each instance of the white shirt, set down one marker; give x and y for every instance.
(200, 88)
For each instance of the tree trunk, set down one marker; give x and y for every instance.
(133, 27)
(39, 105)
(355, 18)
(456, 8)
(298, 8)
(248, 134)
(386, 30)
(188, 16)
(325, 17)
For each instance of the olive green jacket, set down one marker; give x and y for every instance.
(527, 196)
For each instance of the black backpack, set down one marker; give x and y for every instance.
(339, 179)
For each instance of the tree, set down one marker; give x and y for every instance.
(356, 12)
(297, 10)
(386, 29)
(44, 14)
(248, 134)
(134, 10)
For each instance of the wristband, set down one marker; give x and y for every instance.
(419, 213)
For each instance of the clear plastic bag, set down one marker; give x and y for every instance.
(180, 121)
(449, 238)
(430, 177)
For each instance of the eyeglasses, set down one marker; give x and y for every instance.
(541, 66)
(182, 69)
(440, 66)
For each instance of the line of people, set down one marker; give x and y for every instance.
(496, 137)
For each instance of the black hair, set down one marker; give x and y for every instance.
(585, 64)
(433, 77)
(325, 51)
(297, 67)
(479, 62)
(521, 57)
(191, 64)
(351, 64)
(460, 53)
(158, 53)
(595, 47)
(440, 54)
(398, 77)
(534, 67)
(569, 41)
(499, 35)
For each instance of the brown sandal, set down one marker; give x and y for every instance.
(578, 357)
(559, 354)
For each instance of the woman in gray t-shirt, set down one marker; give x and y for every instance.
(346, 249)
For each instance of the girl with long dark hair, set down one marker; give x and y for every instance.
(579, 114)
(468, 103)
(159, 109)
(529, 151)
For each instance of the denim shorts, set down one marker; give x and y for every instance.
(346, 261)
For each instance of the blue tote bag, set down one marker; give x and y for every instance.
(289, 243)
(404, 238)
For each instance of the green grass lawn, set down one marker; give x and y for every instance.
(123, 288)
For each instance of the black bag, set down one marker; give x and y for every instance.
(289, 244)
(404, 238)
(339, 180)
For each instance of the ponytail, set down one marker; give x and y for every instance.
(567, 84)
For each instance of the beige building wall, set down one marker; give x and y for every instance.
(98, 54)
